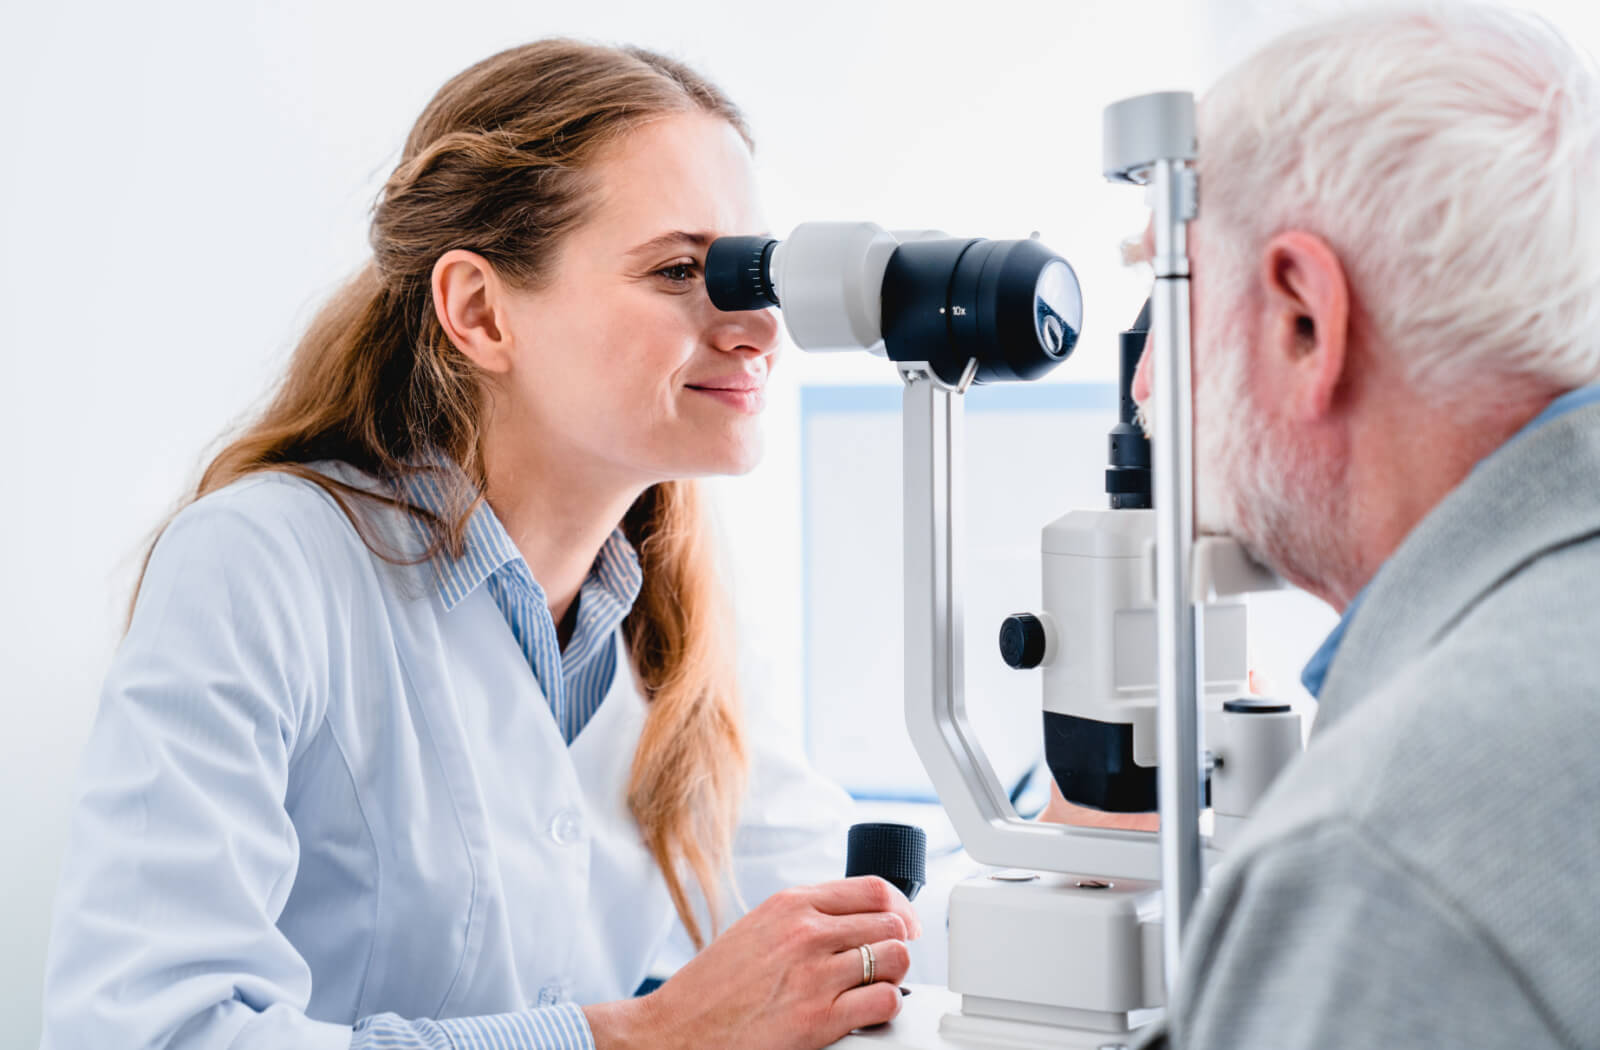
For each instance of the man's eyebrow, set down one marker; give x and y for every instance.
(675, 239)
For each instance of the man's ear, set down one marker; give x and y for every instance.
(468, 297)
(1306, 320)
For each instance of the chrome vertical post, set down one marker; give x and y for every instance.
(1150, 141)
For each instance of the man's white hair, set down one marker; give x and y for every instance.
(1450, 155)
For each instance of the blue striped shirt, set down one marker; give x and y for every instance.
(574, 679)
(558, 1027)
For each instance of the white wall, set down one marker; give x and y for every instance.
(182, 182)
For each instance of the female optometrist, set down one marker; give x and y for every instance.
(425, 731)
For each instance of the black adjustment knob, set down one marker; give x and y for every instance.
(1022, 641)
(897, 853)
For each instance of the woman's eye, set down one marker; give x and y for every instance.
(678, 273)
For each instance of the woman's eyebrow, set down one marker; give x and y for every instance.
(676, 239)
(672, 239)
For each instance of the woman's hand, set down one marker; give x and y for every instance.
(787, 976)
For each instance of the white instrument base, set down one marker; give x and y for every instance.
(929, 1020)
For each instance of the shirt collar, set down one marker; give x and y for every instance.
(1568, 402)
(1316, 669)
(487, 548)
(607, 595)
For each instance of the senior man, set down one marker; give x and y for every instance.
(1397, 322)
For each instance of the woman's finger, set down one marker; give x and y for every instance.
(861, 1007)
(846, 931)
(864, 893)
(891, 960)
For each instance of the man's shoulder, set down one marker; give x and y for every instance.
(1471, 770)
(1488, 719)
(1495, 706)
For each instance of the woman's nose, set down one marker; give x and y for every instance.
(768, 323)
(751, 328)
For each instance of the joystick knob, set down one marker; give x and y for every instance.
(897, 853)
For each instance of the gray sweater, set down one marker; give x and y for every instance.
(1428, 873)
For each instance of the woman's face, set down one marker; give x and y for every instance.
(622, 366)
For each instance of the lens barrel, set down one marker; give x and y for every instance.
(1014, 306)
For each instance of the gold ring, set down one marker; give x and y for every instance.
(869, 965)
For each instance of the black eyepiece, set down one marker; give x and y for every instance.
(737, 274)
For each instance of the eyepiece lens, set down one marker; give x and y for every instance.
(1058, 308)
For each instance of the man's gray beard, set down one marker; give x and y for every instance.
(1283, 502)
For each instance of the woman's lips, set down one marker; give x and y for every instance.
(744, 399)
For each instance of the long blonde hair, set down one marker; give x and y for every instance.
(497, 164)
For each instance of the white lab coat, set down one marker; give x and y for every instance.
(291, 822)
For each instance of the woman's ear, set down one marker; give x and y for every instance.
(468, 299)
(1307, 322)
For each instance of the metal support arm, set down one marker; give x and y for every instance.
(936, 715)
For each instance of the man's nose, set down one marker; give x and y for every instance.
(1141, 375)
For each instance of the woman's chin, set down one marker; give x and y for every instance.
(732, 461)
(742, 463)
(722, 462)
